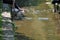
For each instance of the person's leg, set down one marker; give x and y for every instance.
(18, 16)
(54, 8)
(59, 9)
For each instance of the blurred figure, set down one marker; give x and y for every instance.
(56, 4)
(18, 13)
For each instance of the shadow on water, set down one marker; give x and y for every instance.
(20, 36)
(24, 3)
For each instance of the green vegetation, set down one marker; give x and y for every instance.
(25, 3)
(0, 20)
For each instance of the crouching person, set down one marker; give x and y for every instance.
(20, 14)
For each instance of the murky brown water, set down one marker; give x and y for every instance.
(38, 29)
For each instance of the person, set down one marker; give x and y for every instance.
(16, 10)
(20, 14)
(56, 4)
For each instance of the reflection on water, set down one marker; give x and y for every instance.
(20, 36)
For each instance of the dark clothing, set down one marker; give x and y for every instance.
(56, 1)
(14, 14)
(56, 7)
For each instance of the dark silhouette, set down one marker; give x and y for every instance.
(56, 1)
(56, 5)
(14, 14)
(20, 36)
